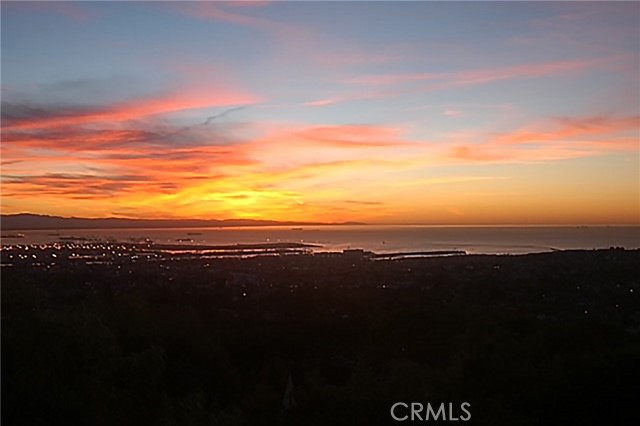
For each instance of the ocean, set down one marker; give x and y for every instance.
(379, 239)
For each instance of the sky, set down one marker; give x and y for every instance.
(379, 112)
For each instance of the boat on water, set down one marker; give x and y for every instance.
(184, 240)
(194, 233)
(297, 229)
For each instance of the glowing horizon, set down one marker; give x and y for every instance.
(384, 113)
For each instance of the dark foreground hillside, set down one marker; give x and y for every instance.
(321, 340)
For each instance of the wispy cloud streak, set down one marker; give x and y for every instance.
(563, 138)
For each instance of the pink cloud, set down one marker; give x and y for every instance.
(180, 100)
(347, 98)
(352, 135)
(450, 112)
(378, 80)
(228, 12)
(566, 128)
(216, 12)
(523, 71)
(564, 138)
(323, 102)
(483, 76)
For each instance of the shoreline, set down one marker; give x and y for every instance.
(114, 252)
(387, 240)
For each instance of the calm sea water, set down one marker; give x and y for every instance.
(380, 239)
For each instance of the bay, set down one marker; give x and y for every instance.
(376, 238)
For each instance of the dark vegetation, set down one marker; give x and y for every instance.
(321, 340)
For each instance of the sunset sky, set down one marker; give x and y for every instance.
(381, 112)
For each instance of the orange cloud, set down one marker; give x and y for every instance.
(147, 172)
(567, 138)
(353, 135)
(288, 171)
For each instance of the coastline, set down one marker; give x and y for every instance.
(376, 239)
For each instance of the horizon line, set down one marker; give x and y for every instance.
(346, 222)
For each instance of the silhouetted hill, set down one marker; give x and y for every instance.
(25, 221)
(113, 334)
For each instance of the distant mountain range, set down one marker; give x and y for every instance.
(27, 221)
